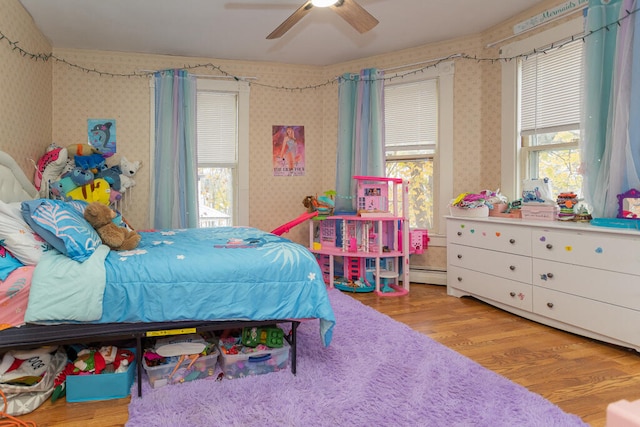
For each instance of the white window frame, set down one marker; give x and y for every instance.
(443, 158)
(241, 208)
(511, 151)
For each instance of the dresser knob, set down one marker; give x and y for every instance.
(512, 294)
(459, 256)
(459, 233)
(550, 304)
(512, 241)
(550, 275)
(512, 267)
(549, 246)
(459, 279)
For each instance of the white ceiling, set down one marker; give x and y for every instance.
(237, 29)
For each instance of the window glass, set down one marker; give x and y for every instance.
(217, 149)
(222, 150)
(550, 108)
(541, 100)
(411, 134)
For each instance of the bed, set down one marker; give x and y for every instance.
(76, 289)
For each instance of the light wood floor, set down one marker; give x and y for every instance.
(580, 375)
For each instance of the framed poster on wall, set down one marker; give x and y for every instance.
(288, 150)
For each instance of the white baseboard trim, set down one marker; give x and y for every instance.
(431, 277)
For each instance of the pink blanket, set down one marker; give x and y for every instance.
(14, 295)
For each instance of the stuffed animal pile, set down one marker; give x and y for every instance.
(82, 172)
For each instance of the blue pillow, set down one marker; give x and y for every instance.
(62, 225)
(8, 263)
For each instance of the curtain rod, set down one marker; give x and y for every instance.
(580, 9)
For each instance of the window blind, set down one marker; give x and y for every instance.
(550, 90)
(217, 128)
(411, 115)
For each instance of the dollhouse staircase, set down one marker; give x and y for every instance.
(325, 266)
(354, 268)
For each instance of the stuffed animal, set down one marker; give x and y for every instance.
(96, 191)
(81, 176)
(89, 360)
(49, 168)
(112, 176)
(60, 188)
(81, 150)
(94, 163)
(117, 238)
(128, 170)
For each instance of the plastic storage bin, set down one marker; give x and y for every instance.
(83, 388)
(203, 367)
(256, 363)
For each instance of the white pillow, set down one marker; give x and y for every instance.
(18, 237)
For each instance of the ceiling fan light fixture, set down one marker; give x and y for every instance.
(323, 3)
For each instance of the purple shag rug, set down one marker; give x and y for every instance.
(376, 372)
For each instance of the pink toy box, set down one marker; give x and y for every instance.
(623, 414)
(539, 212)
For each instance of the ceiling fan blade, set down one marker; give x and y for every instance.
(355, 15)
(291, 21)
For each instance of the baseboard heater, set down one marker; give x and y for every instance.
(428, 276)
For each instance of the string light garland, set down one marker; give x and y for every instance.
(399, 75)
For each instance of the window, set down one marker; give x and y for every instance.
(550, 117)
(541, 111)
(222, 147)
(418, 141)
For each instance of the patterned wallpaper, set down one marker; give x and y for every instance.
(39, 109)
(78, 95)
(25, 88)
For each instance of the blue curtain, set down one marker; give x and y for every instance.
(610, 150)
(360, 132)
(175, 172)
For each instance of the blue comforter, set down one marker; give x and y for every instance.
(226, 273)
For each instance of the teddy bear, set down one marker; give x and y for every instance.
(117, 238)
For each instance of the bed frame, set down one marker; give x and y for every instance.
(31, 335)
(16, 187)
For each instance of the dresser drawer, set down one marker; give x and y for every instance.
(490, 235)
(508, 266)
(486, 286)
(606, 319)
(599, 250)
(601, 285)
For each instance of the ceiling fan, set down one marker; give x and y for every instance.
(349, 10)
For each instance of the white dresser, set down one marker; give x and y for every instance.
(572, 276)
